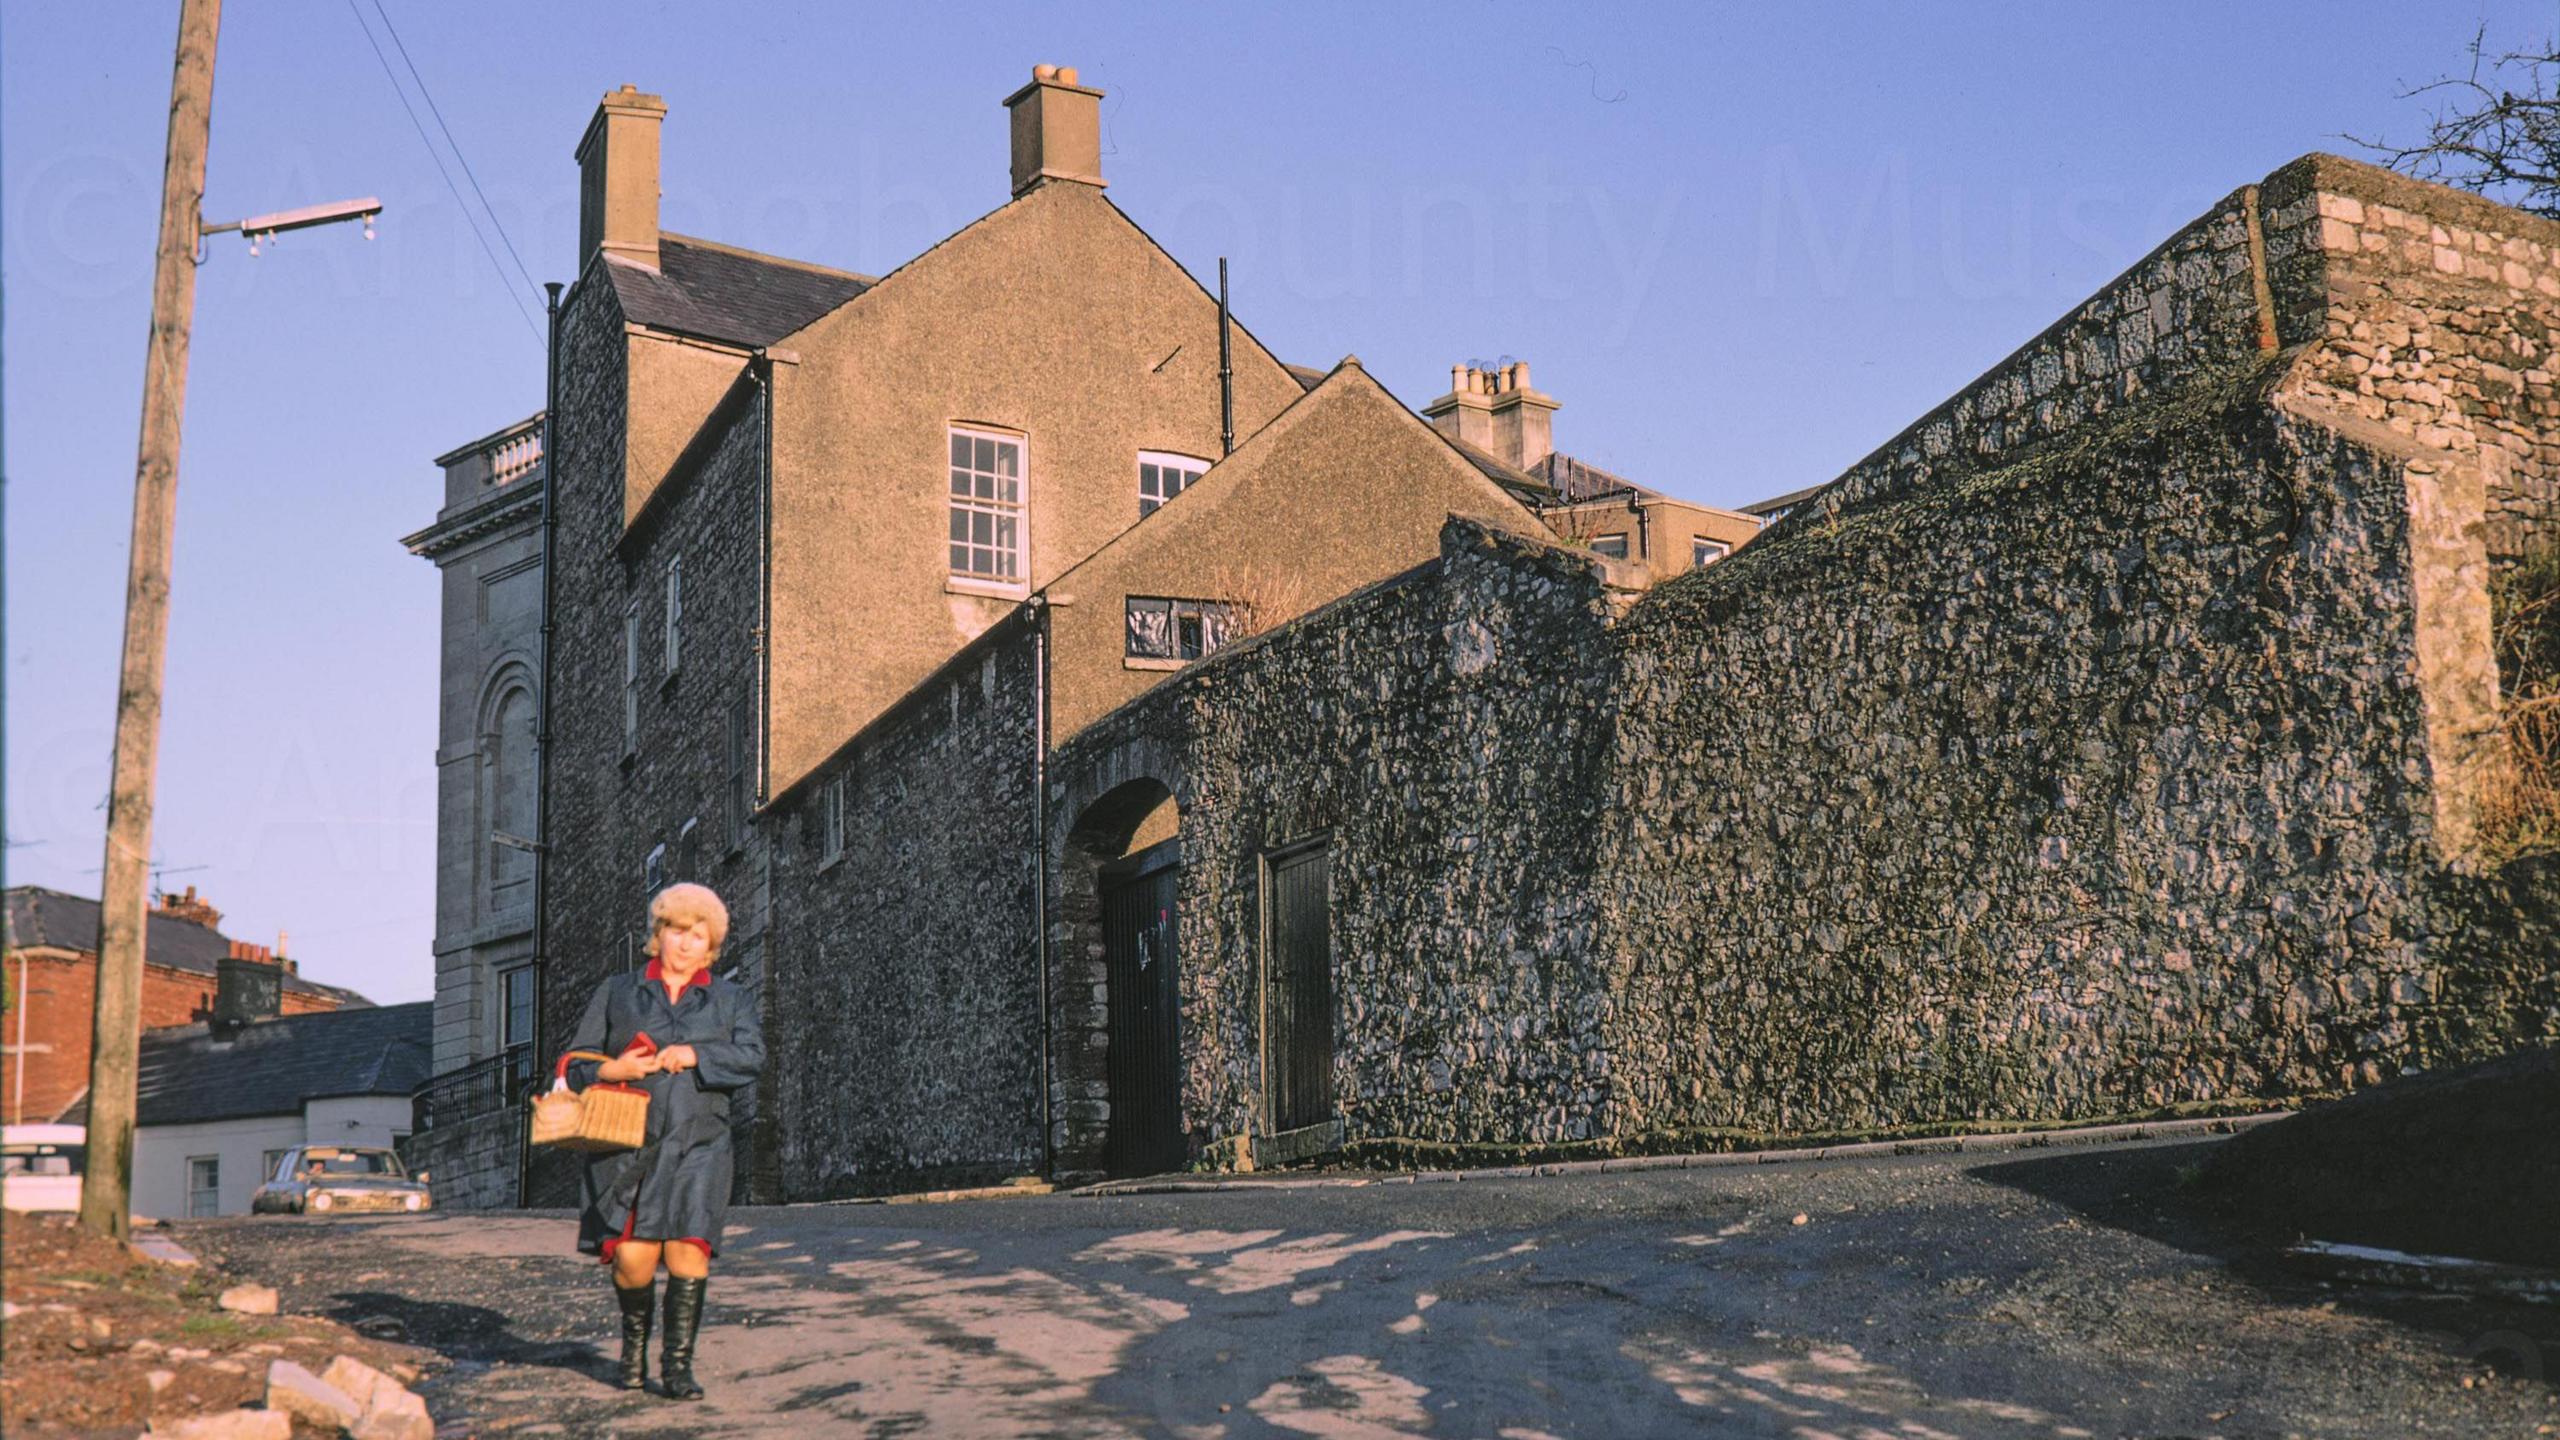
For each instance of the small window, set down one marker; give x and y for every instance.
(204, 1185)
(986, 506)
(1176, 629)
(1163, 475)
(631, 677)
(675, 613)
(1707, 552)
(515, 999)
(688, 857)
(653, 874)
(831, 821)
(740, 801)
(1613, 546)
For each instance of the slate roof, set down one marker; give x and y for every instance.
(41, 917)
(715, 292)
(1579, 480)
(271, 1067)
(1522, 485)
(1776, 506)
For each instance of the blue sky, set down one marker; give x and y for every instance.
(1742, 245)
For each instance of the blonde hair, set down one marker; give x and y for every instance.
(682, 905)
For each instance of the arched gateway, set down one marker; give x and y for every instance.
(1115, 931)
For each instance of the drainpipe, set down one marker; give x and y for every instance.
(542, 712)
(1036, 611)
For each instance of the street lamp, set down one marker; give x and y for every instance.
(265, 228)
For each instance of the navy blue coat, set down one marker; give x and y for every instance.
(676, 1185)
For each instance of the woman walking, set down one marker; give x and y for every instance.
(689, 1039)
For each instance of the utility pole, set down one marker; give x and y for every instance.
(106, 1186)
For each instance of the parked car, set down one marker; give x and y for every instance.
(40, 1166)
(334, 1179)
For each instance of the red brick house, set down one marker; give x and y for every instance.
(51, 979)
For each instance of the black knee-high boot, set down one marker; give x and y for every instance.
(684, 1317)
(637, 1306)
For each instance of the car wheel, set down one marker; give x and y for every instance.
(321, 1201)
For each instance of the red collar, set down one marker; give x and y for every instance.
(701, 977)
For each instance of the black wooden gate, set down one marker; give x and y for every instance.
(1298, 1006)
(1139, 934)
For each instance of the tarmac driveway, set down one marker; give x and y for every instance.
(2072, 1293)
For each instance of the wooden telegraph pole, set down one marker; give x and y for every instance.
(107, 1186)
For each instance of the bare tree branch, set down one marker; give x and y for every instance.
(2494, 130)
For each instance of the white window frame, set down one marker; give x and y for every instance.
(653, 871)
(831, 822)
(675, 615)
(631, 677)
(995, 508)
(204, 1200)
(1699, 545)
(1189, 467)
(1600, 542)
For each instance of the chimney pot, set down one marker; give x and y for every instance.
(1057, 129)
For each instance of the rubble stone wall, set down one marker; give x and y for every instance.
(904, 1011)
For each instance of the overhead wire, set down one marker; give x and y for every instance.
(468, 218)
(464, 160)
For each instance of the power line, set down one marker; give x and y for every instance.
(464, 160)
(465, 206)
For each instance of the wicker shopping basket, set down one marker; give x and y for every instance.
(599, 1120)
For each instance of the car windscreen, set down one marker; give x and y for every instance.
(40, 1160)
(353, 1162)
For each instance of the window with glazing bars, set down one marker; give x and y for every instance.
(1707, 552)
(1162, 475)
(986, 506)
(1176, 629)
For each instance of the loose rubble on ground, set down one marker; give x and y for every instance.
(104, 1339)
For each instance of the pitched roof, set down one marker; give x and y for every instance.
(1523, 486)
(1578, 480)
(271, 1067)
(49, 918)
(1776, 506)
(717, 292)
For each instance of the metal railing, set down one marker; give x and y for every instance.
(483, 1087)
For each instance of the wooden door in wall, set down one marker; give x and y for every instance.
(1140, 929)
(1298, 993)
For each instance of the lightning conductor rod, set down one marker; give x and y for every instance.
(1226, 370)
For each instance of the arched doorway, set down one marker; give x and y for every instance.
(1120, 880)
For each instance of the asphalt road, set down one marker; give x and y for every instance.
(2062, 1293)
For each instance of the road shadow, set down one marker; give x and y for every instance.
(467, 1333)
(2167, 1194)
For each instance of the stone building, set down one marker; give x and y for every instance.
(52, 980)
(486, 543)
(1497, 413)
(1091, 797)
(2112, 740)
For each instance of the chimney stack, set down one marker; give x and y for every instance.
(248, 986)
(1496, 411)
(1057, 129)
(618, 179)
(190, 909)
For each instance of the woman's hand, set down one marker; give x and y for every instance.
(676, 1059)
(634, 1065)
